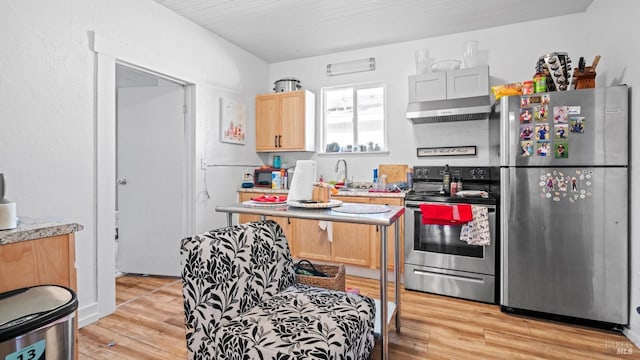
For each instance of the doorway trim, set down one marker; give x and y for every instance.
(108, 54)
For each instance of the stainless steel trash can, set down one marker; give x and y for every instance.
(36, 323)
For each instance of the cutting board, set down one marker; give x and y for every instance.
(394, 172)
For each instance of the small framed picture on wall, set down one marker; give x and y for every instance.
(233, 121)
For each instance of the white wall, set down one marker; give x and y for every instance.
(617, 29)
(607, 28)
(48, 104)
(510, 51)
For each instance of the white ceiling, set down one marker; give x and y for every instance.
(280, 30)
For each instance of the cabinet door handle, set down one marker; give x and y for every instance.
(279, 140)
(275, 141)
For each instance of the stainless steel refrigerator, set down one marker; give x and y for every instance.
(564, 202)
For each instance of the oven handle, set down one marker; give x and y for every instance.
(453, 277)
(415, 205)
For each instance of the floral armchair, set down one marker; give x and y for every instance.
(241, 301)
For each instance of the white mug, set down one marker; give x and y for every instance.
(8, 216)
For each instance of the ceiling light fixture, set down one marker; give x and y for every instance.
(348, 67)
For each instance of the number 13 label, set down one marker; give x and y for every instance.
(31, 352)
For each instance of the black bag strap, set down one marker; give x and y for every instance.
(312, 269)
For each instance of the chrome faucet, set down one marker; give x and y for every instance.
(345, 169)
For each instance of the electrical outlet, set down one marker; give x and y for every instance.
(246, 177)
(638, 309)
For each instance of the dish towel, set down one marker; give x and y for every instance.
(476, 232)
(328, 227)
(442, 214)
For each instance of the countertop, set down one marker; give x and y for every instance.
(30, 229)
(385, 218)
(360, 193)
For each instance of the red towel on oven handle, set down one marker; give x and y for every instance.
(443, 214)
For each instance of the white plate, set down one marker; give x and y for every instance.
(263, 204)
(446, 65)
(330, 204)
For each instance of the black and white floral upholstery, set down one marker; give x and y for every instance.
(241, 302)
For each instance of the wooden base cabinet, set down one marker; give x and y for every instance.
(310, 242)
(390, 235)
(285, 121)
(353, 244)
(285, 223)
(372, 235)
(44, 261)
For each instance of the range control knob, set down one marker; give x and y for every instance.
(481, 172)
(473, 172)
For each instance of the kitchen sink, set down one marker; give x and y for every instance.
(350, 190)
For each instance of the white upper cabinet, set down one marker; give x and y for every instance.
(449, 85)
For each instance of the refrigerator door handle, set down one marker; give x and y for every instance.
(505, 126)
(505, 210)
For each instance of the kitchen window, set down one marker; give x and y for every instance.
(354, 118)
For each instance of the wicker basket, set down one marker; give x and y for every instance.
(334, 282)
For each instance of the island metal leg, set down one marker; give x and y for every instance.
(229, 218)
(384, 335)
(397, 270)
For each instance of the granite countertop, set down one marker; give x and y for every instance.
(357, 193)
(30, 229)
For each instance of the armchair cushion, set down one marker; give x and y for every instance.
(241, 302)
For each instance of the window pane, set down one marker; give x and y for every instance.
(339, 117)
(371, 116)
(354, 118)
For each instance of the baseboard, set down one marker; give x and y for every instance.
(632, 335)
(88, 314)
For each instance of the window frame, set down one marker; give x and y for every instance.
(356, 87)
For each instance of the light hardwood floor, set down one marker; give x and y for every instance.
(148, 324)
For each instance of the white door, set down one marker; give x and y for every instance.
(150, 171)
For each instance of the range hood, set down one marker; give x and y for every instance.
(461, 109)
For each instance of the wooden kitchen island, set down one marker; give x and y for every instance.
(39, 252)
(384, 220)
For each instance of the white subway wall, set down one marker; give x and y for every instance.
(48, 104)
(511, 52)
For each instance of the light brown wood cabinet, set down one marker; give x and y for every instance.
(372, 236)
(353, 244)
(44, 261)
(285, 121)
(310, 242)
(285, 223)
(390, 234)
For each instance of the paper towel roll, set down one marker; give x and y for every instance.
(302, 182)
(8, 218)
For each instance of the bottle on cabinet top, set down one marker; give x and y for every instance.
(446, 179)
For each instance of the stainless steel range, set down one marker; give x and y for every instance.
(436, 259)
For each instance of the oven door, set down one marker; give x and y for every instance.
(439, 246)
